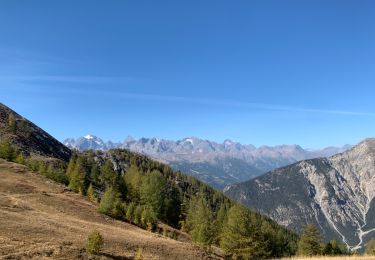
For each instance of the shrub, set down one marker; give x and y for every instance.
(139, 255)
(95, 242)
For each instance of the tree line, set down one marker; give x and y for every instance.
(131, 187)
(134, 188)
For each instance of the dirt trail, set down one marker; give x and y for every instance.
(43, 220)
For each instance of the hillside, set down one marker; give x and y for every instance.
(217, 164)
(29, 138)
(336, 194)
(133, 188)
(42, 219)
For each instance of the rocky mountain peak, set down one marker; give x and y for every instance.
(335, 193)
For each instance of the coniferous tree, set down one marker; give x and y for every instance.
(199, 221)
(108, 174)
(241, 236)
(111, 204)
(148, 219)
(77, 178)
(310, 241)
(132, 180)
(12, 124)
(138, 215)
(7, 152)
(153, 192)
(91, 193)
(130, 211)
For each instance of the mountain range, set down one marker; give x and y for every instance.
(121, 185)
(336, 194)
(217, 164)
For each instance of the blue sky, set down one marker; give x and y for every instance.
(260, 72)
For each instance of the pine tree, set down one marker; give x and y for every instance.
(241, 236)
(94, 243)
(108, 175)
(130, 212)
(71, 165)
(12, 124)
(310, 242)
(199, 221)
(153, 192)
(148, 219)
(111, 204)
(91, 193)
(7, 152)
(138, 215)
(77, 178)
(133, 180)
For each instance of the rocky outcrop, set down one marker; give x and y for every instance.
(336, 194)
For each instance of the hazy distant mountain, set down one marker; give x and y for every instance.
(214, 163)
(336, 194)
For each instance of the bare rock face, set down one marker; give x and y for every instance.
(336, 194)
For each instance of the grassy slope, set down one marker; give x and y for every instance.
(40, 219)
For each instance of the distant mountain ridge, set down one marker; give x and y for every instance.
(336, 194)
(218, 164)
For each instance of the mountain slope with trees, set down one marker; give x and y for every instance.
(336, 194)
(131, 187)
(29, 139)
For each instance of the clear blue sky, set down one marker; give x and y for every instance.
(260, 72)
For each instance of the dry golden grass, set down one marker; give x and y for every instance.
(41, 219)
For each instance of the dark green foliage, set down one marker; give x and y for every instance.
(94, 243)
(7, 151)
(199, 221)
(333, 248)
(370, 247)
(78, 176)
(152, 192)
(242, 237)
(130, 210)
(137, 219)
(108, 176)
(111, 204)
(149, 219)
(310, 242)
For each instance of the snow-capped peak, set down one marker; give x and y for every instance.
(89, 137)
(189, 140)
